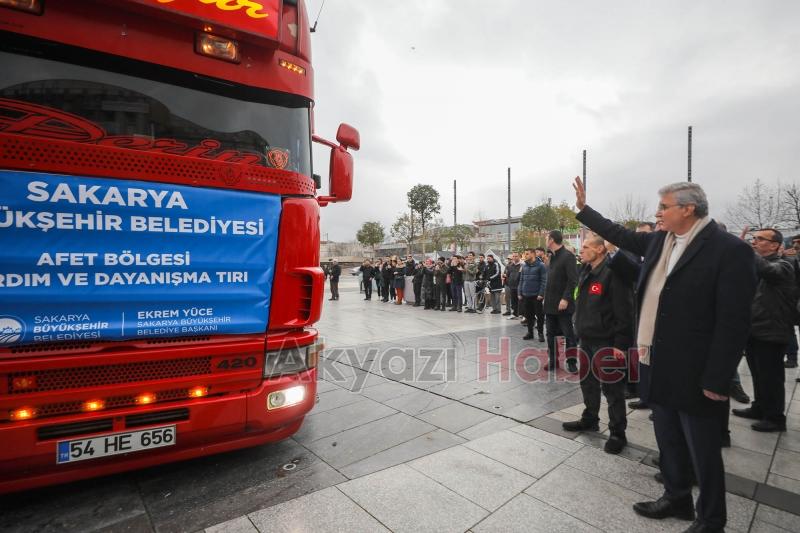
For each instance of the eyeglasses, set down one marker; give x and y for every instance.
(759, 238)
(662, 207)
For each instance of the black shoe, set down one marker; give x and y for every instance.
(790, 364)
(527, 337)
(726, 440)
(330, 299)
(495, 312)
(452, 309)
(768, 426)
(638, 404)
(738, 393)
(541, 339)
(615, 444)
(747, 413)
(572, 366)
(506, 314)
(580, 425)
(699, 527)
(665, 508)
(469, 311)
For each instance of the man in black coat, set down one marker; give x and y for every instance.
(334, 271)
(770, 333)
(559, 299)
(604, 325)
(694, 296)
(367, 273)
(387, 277)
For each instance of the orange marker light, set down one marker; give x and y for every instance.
(297, 69)
(94, 405)
(23, 413)
(198, 392)
(23, 383)
(145, 398)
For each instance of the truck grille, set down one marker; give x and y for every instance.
(102, 375)
(115, 402)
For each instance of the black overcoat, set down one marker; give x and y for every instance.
(703, 316)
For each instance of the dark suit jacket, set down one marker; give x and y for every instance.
(562, 276)
(626, 266)
(703, 313)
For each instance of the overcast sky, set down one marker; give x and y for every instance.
(461, 89)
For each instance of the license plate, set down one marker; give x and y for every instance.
(70, 451)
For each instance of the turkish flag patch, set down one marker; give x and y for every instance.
(596, 288)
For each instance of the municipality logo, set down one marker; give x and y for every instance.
(10, 330)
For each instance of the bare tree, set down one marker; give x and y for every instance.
(629, 211)
(406, 229)
(758, 206)
(790, 201)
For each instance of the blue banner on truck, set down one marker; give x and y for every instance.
(100, 259)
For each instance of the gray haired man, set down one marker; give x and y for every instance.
(694, 297)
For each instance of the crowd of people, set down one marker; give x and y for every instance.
(682, 297)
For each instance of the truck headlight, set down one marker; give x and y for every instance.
(291, 360)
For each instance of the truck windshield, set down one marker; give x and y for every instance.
(122, 104)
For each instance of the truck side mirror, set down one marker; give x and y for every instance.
(341, 175)
(348, 137)
(341, 164)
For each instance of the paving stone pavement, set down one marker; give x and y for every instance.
(411, 434)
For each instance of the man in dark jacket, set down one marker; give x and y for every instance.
(512, 286)
(770, 333)
(334, 271)
(604, 326)
(481, 267)
(387, 276)
(440, 284)
(532, 281)
(419, 273)
(367, 273)
(491, 275)
(428, 294)
(559, 299)
(693, 297)
(456, 272)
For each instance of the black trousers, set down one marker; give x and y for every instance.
(530, 305)
(458, 295)
(368, 289)
(385, 289)
(514, 303)
(441, 295)
(538, 312)
(765, 360)
(686, 440)
(614, 393)
(335, 289)
(417, 292)
(560, 324)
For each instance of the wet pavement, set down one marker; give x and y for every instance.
(426, 421)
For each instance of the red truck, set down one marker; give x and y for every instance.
(159, 232)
